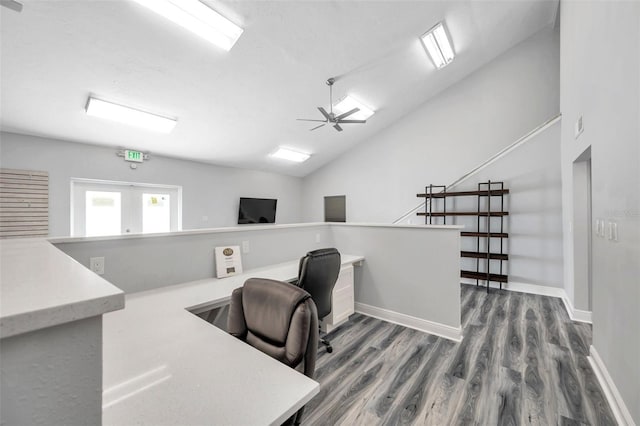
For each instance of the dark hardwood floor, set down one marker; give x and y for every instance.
(522, 362)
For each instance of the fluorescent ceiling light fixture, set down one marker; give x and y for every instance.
(131, 116)
(198, 18)
(437, 44)
(287, 154)
(11, 4)
(347, 104)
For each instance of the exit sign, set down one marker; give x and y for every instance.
(135, 156)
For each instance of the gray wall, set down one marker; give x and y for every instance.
(210, 193)
(604, 88)
(137, 263)
(445, 138)
(395, 275)
(532, 174)
(53, 376)
(406, 270)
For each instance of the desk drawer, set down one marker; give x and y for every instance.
(343, 305)
(345, 278)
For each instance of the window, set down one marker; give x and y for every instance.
(100, 208)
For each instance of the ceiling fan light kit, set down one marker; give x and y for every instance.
(336, 119)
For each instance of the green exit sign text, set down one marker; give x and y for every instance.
(135, 156)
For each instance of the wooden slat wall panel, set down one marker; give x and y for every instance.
(24, 203)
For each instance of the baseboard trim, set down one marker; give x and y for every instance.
(619, 408)
(446, 331)
(574, 314)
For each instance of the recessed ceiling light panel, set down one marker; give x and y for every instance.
(131, 116)
(198, 18)
(348, 103)
(11, 4)
(437, 44)
(288, 154)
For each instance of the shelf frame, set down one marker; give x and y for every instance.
(488, 191)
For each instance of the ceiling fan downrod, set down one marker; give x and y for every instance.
(330, 82)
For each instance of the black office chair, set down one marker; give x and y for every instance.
(317, 274)
(278, 319)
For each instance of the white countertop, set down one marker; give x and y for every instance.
(163, 365)
(40, 286)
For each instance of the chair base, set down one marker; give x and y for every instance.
(327, 344)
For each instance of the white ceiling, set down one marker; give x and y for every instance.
(234, 108)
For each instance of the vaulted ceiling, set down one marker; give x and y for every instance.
(234, 108)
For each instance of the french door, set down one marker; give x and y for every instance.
(101, 208)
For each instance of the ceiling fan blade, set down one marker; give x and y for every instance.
(325, 113)
(317, 127)
(309, 119)
(348, 113)
(352, 121)
(337, 127)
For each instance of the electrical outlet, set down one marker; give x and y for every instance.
(96, 264)
(245, 247)
(317, 238)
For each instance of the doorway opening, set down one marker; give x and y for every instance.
(582, 232)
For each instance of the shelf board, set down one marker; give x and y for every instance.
(441, 214)
(482, 193)
(483, 276)
(476, 255)
(484, 234)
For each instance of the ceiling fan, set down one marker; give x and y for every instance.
(330, 117)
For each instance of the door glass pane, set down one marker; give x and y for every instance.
(156, 213)
(103, 213)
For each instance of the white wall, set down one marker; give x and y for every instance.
(445, 138)
(600, 80)
(207, 191)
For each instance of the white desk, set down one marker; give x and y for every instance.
(163, 365)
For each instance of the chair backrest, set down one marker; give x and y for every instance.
(277, 318)
(317, 274)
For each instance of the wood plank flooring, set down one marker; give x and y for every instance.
(522, 362)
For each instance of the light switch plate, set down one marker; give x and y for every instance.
(245, 247)
(579, 127)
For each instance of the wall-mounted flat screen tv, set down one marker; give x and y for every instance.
(257, 210)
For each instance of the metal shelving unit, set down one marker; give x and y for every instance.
(486, 254)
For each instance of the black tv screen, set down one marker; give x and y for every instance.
(257, 210)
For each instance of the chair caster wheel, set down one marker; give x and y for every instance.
(329, 349)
